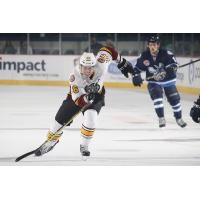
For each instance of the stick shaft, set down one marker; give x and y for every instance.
(189, 63)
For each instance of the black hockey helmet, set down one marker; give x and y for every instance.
(153, 39)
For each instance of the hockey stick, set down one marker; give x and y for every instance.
(25, 155)
(58, 131)
(33, 151)
(189, 63)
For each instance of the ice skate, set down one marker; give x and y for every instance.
(49, 144)
(84, 152)
(162, 122)
(181, 123)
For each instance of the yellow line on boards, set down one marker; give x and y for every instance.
(183, 89)
(34, 82)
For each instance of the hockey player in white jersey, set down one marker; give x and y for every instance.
(86, 95)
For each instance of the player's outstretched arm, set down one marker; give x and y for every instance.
(123, 65)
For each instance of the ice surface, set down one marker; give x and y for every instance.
(127, 132)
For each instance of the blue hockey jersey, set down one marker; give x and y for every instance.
(146, 62)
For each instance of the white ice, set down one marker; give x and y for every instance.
(127, 131)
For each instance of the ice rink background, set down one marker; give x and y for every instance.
(127, 132)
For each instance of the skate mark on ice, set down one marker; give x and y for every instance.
(162, 140)
(118, 150)
(104, 160)
(7, 159)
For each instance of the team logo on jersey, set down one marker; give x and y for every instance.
(161, 65)
(146, 63)
(153, 69)
(72, 78)
(92, 88)
(103, 58)
(75, 89)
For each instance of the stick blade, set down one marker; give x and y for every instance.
(24, 155)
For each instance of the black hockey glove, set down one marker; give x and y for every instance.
(137, 80)
(94, 97)
(198, 101)
(172, 68)
(160, 74)
(125, 67)
(195, 111)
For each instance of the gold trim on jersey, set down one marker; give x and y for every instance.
(105, 49)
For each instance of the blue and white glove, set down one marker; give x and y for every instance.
(171, 68)
(160, 74)
(137, 80)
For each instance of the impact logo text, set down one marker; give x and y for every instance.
(20, 66)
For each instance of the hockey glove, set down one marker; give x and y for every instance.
(195, 111)
(172, 68)
(94, 97)
(198, 101)
(160, 74)
(125, 67)
(137, 80)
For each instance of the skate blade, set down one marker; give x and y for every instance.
(84, 158)
(183, 126)
(163, 127)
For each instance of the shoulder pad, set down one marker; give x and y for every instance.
(169, 53)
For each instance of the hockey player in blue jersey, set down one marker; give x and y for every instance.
(160, 66)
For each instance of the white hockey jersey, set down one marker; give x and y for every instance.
(79, 84)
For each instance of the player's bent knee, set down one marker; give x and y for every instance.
(90, 118)
(155, 91)
(66, 112)
(174, 98)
